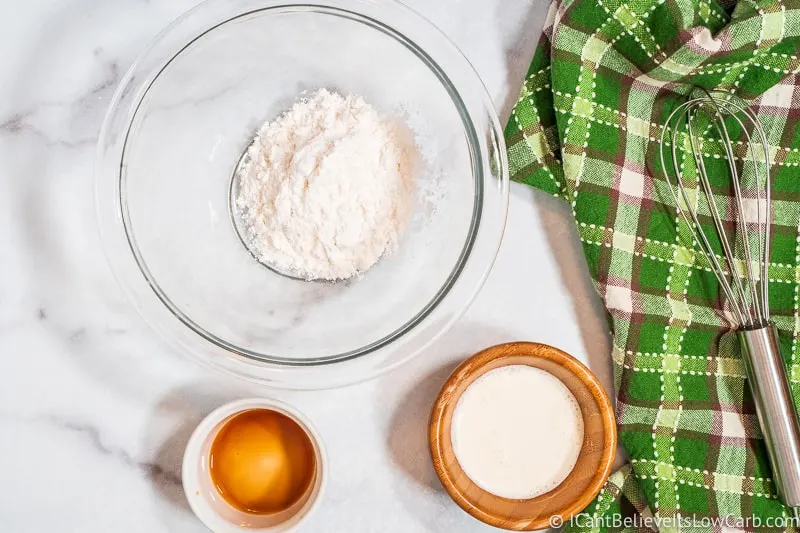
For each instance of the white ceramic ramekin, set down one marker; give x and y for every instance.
(212, 509)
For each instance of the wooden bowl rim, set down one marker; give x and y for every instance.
(479, 361)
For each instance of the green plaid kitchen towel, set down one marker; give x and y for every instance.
(586, 128)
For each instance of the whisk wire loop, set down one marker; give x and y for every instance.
(745, 287)
(763, 221)
(759, 282)
(728, 252)
(691, 218)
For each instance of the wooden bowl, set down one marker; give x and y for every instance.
(594, 461)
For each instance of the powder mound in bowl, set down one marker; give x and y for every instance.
(327, 188)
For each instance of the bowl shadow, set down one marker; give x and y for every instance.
(565, 245)
(407, 440)
(171, 425)
(408, 435)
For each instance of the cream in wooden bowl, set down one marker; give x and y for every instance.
(522, 435)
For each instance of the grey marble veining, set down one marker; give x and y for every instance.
(95, 410)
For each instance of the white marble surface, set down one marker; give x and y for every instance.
(95, 410)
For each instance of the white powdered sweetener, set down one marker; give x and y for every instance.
(327, 188)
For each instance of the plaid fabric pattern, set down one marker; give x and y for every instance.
(586, 128)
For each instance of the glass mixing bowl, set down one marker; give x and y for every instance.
(177, 127)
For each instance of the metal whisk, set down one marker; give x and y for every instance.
(744, 280)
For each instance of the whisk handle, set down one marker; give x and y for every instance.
(776, 413)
